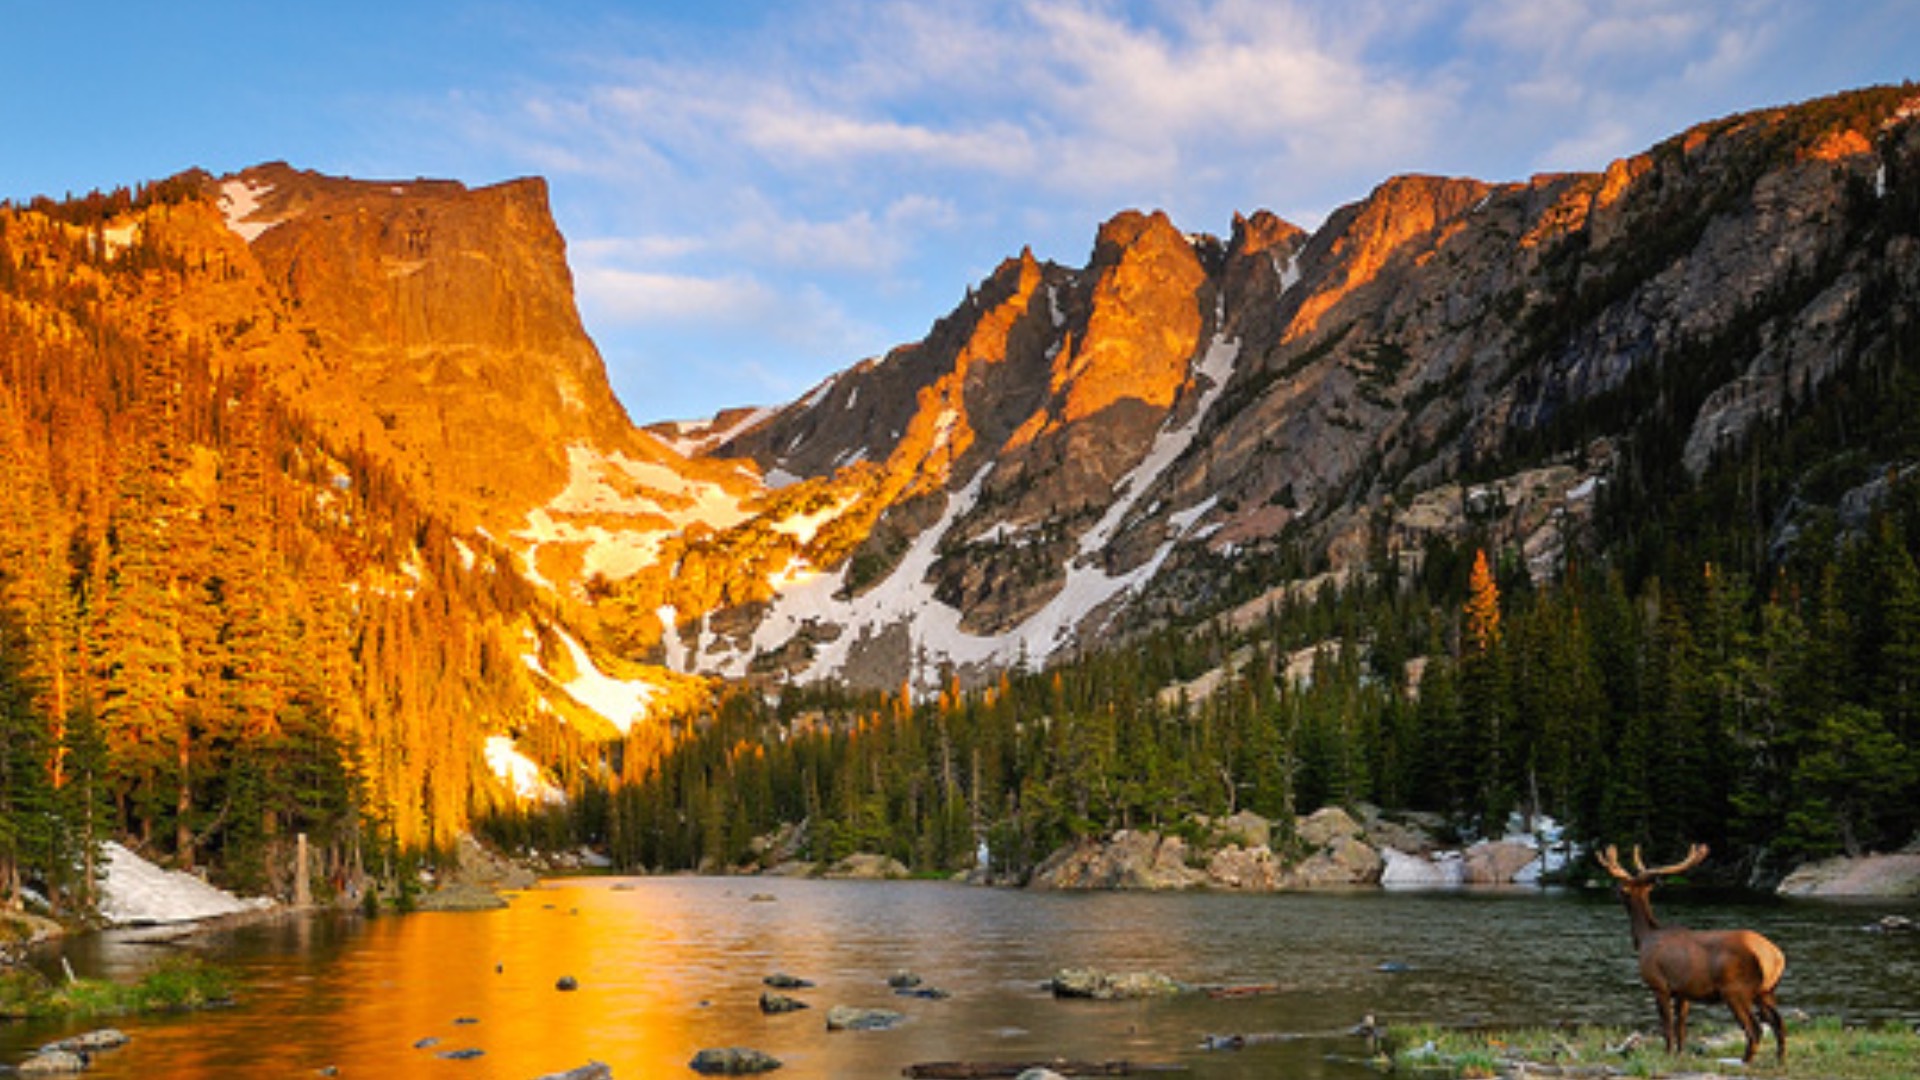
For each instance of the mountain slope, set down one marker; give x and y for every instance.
(1075, 451)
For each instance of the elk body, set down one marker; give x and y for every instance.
(1681, 966)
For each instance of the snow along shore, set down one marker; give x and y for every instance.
(135, 892)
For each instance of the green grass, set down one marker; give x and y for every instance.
(176, 984)
(1823, 1048)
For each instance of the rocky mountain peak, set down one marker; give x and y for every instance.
(444, 312)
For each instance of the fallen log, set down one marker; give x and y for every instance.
(1240, 991)
(987, 1070)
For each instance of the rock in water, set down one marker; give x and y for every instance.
(592, 1070)
(780, 1003)
(1123, 986)
(88, 1042)
(780, 980)
(849, 1018)
(56, 1063)
(567, 982)
(903, 980)
(732, 1061)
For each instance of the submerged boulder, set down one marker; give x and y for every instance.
(1097, 985)
(850, 1018)
(592, 1070)
(774, 1004)
(732, 1061)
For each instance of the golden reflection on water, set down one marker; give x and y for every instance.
(667, 966)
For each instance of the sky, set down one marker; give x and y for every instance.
(757, 195)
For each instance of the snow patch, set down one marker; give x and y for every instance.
(906, 598)
(239, 200)
(614, 485)
(135, 892)
(520, 772)
(622, 701)
(804, 527)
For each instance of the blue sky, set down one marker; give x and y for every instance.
(756, 195)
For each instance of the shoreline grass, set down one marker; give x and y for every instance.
(177, 984)
(1822, 1047)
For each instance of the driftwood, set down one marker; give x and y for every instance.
(985, 1070)
(1240, 991)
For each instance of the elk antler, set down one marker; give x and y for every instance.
(1609, 861)
(1695, 856)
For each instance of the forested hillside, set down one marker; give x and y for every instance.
(219, 627)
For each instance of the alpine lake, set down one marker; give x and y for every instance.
(664, 967)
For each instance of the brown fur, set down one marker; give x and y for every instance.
(1738, 967)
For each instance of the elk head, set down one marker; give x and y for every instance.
(1682, 966)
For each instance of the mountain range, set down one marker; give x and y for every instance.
(1186, 427)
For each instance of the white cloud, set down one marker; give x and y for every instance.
(630, 297)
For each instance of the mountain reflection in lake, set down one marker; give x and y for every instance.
(666, 966)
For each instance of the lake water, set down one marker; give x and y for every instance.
(666, 966)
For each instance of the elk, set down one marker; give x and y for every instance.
(1739, 967)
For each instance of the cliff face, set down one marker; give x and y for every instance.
(447, 315)
(1073, 452)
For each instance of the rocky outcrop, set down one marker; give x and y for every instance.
(865, 866)
(1127, 860)
(1870, 875)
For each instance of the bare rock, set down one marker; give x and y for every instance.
(1126, 860)
(863, 866)
(1097, 985)
(1497, 862)
(1251, 869)
(851, 1018)
(1870, 875)
(1327, 824)
(732, 1061)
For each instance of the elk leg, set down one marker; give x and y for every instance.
(1665, 1001)
(1680, 1007)
(1771, 1013)
(1743, 1012)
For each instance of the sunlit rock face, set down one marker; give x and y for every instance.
(447, 313)
(1075, 453)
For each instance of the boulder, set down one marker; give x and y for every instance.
(1869, 875)
(1345, 861)
(732, 1061)
(592, 1070)
(1126, 860)
(1441, 870)
(780, 980)
(1498, 862)
(850, 1018)
(1246, 829)
(1327, 824)
(774, 1004)
(1097, 985)
(1253, 869)
(1411, 835)
(90, 1042)
(53, 1063)
(863, 866)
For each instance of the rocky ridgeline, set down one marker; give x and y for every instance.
(1329, 849)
